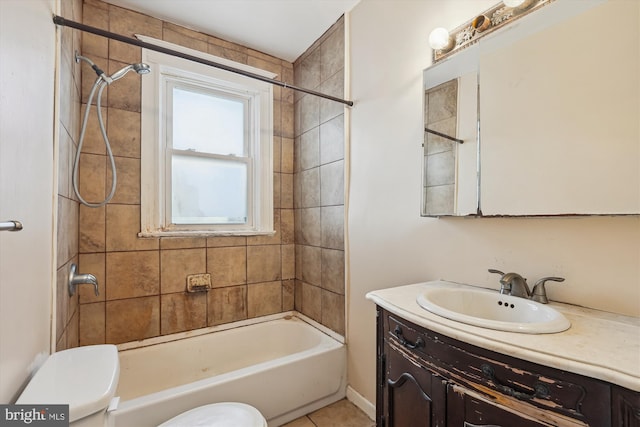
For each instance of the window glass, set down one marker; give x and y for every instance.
(208, 122)
(208, 191)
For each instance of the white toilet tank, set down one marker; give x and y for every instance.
(85, 378)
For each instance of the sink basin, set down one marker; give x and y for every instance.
(489, 309)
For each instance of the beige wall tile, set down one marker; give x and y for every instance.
(182, 312)
(72, 331)
(311, 230)
(274, 239)
(310, 188)
(227, 305)
(172, 36)
(128, 185)
(92, 229)
(440, 169)
(216, 242)
(288, 121)
(264, 299)
(61, 343)
(67, 239)
(265, 62)
(62, 300)
(223, 52)
(332, 218)
(308, 116)
(263, 263)
(124, 133)
(287, 226)
(92, 264)
(176, 264)
(124, 94)
(333, 311)
(129, 23)
(288, 295)
(332, 140)
(334, 86)
(92, 323)
(99, 18)
(277, 118)
(227, 266)
(311, 264)
(93, 141)
(123, 226)
(312, 301)
(142, 319)
(297, 298)
(333, 271)
(91, 179)
(307, 72)
(288, 261)
(132, 274)
(182, 242)
(124, 52)
(310, 149)
(276, 190)
(286, 163)
(332, 53)
(277, 153)
(286, 191)
(332, 183)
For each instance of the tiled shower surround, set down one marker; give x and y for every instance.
(142, 280)
(319, 182)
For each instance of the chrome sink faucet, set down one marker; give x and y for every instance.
(515, 285)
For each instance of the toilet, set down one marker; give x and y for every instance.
(86, 378)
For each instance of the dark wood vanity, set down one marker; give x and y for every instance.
(426, 379)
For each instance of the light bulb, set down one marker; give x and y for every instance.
(519, 5)
(439, 39)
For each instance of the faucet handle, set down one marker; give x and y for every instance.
(539, 293)
(504, 286)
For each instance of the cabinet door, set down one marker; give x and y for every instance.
(467, 410)
(626, 408)
(413, 396)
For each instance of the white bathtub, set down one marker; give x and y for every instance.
(283, 366)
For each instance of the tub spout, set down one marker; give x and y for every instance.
(79, 279)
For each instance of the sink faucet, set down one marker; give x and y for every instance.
(516, 285)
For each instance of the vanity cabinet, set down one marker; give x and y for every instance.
(426, 379)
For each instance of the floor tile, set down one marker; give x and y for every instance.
(340, 414)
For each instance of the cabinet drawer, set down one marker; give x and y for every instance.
(503, 377)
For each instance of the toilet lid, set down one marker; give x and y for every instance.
(225, 414)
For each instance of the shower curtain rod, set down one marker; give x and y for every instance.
(59, 20)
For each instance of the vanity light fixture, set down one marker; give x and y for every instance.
(518, 5)
(445, 43)
(439, 39)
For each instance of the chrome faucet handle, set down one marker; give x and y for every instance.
(504, 286)
(539, 292)
(79, 279)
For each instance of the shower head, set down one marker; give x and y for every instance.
(141, 68)
(138, 68)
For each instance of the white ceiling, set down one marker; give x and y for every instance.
(282, 28)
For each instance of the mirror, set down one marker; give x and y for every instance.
(558, 114)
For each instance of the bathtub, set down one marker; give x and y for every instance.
(284, 365)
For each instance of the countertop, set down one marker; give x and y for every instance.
(598, 344)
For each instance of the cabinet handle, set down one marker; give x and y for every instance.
(466, 424)
(405, 342)
(539, 390)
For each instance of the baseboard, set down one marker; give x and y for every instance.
(365, 406)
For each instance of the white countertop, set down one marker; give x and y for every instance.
(598, 344)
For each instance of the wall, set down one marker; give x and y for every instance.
(67, 313)
(27, 72)
(319, 182)
(391, 245)
(142, 281)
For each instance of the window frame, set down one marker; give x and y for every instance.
(154, 175)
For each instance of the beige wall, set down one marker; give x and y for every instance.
(27, 190)
(142, 281)
(390, 245)
(319, 182)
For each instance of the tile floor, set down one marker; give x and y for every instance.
(340, 414)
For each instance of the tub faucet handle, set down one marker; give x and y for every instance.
(79, 279)
(539, 293)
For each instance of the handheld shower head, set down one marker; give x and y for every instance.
(138, 68)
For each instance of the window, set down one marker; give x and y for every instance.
(207, 162)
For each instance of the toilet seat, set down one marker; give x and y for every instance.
(225, 414)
